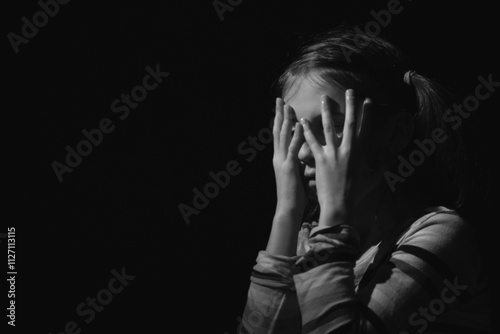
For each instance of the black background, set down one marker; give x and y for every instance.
(119, 207)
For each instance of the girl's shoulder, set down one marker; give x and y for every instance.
(444, 239)
(436, 217)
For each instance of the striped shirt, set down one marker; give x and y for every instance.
(426, 278)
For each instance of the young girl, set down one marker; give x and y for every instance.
(376, 246)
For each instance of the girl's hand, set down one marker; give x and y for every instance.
(333, 161)
(290, 189)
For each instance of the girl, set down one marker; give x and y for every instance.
(365, 236)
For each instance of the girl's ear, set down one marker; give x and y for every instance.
(399, 131)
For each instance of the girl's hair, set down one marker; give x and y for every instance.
(375, 68)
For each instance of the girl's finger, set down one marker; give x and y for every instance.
(286, 128)
(278, 121)
(297, 140)
(311, 140)
(328, 124)
(363, 120)
(350, 120)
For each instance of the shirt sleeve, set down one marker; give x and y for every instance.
(324, 281)
(272, 305)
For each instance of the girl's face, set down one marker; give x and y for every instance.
(305, 99)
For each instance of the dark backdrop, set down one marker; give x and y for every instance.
(119, 208)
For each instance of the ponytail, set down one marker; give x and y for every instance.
(432, 103)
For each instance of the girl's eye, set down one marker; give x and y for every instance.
(338, 128)
(338, 121)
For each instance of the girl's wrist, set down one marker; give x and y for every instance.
(284, 233)
(289, 209)
(287, 215)
(333, 217)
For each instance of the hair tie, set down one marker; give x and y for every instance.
(407, 77)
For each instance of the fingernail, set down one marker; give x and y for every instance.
(349, 93)
(303, 121)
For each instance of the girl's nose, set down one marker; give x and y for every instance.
(305, 154)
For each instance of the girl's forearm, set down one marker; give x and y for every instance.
(284, 233)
